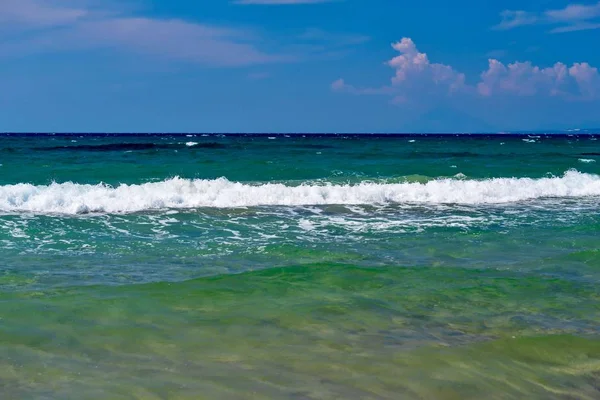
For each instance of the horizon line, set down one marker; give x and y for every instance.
(578, 132)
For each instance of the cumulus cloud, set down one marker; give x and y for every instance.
(416, 76)
(412, 65)
(573, 17)
(523, 78)
(59, 28)
(587, 78)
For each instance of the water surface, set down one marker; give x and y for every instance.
(300, 267)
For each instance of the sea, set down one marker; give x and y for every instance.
(299, 266)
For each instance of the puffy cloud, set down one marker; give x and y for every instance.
(416, 78)
(525, 79)
(522, 78)
(413, 66)
(340, 86)
(587, 78)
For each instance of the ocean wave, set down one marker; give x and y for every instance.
(178, 193)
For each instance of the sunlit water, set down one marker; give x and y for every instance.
(175, 267)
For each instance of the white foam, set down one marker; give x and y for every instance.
(191, 144)
(306, 225)
(587, 160)
(177, 193)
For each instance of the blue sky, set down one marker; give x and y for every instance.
(298, 65)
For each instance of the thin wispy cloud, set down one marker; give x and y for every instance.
(54, 28)
(314, 44)
(573, 17)
(515, 18)
(575, 12)
(35, 13)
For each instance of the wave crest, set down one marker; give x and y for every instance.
(73, 198)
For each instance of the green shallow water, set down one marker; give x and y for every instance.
(150, 296)
(317, 331)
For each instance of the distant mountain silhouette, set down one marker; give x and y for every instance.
(448, 120)
(574, 131)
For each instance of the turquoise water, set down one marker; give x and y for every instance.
(249, 267)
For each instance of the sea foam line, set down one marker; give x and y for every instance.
(73, 198)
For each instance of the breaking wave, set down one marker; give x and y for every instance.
(73, 198)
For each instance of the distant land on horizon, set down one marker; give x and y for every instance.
(586, 131)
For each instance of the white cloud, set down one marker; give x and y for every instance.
(580, 26)
(574, 12)
(515, 18)
(38, 13)
(412, 66)
(416, 77)
(175, 39)
(587, 77)
(340, 86)
(573, 17)
(523, 79)
(55, 28)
